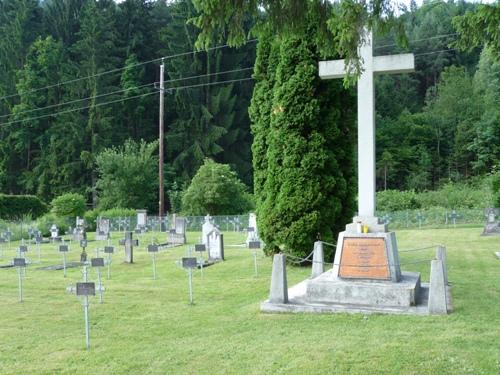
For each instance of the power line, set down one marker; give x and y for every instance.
(128, 89)
(125, 99)
(79, 100)
(418, 40)
(120, 69)
(431, 53)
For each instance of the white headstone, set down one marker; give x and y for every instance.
(371, 65)
(253, 233)
(206, 228)
(141, 218)
(215, 245)
(54, 231)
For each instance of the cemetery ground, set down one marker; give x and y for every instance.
(147, 326)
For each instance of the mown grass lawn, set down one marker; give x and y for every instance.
(148, 327)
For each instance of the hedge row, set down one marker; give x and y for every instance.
(15, 207)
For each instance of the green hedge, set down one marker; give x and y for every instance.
(15, 207)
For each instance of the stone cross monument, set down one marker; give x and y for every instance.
(372, 65)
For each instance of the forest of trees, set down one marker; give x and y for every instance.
(436, 125)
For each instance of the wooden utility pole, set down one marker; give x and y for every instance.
(161, 136)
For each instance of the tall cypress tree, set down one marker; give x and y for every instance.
(303, 146)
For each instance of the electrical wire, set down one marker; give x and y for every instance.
(125, 99)
(417, 40)
(120, 69)
(128, 89)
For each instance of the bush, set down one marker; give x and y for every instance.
(496, 189)
(68, 205)
(215, 190)
(394, 200)
(455, 196)
(14, 207)
(118, 212)
(90, 219)
(128, 176)
(45, 222)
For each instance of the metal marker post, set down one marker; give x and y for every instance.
(190, 277)
(255, 261)
(63, 249)
(98, 263)
(87, 326)
(200, 248)
(109, 250)
(20, 263)
(190, 263)
(153, 249)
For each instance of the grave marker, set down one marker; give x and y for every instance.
(20, 264)
(215, 245)
(109, 250)
(129, 244)
(98, 263)
(177, 235)
(153, 250)
(85, 289)
(102, 232)
(63, 249)
(189, 263)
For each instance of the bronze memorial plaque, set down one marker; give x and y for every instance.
(364, 258)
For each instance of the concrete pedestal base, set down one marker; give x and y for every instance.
(326, 288)
(299, 303)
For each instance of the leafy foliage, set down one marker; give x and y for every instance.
(215, 190)
(14, 207)
(302, 148)
(128, 176)
(68, 205)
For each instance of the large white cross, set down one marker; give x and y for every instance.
(372, 65)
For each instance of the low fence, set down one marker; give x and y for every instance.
(409, 219)
(432, 218)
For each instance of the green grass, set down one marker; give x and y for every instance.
(148, 327)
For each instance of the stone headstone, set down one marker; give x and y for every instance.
(215, 245)
(103, 229)
(142, 220)
(252, 232)
(79, 231)
(129, 244)
(492, 226)
(177, 235)
(206, 228)
(54, 232)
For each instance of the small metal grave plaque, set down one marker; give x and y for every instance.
(19, 262)
(189, 263)
(23, 248)
(152, 248)
(109, 249)
(364, 258)
(83, 243)
(85, 289)
(251, 229)
(63, 248)
(254, 244)
(200, 247)
(97, 262)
